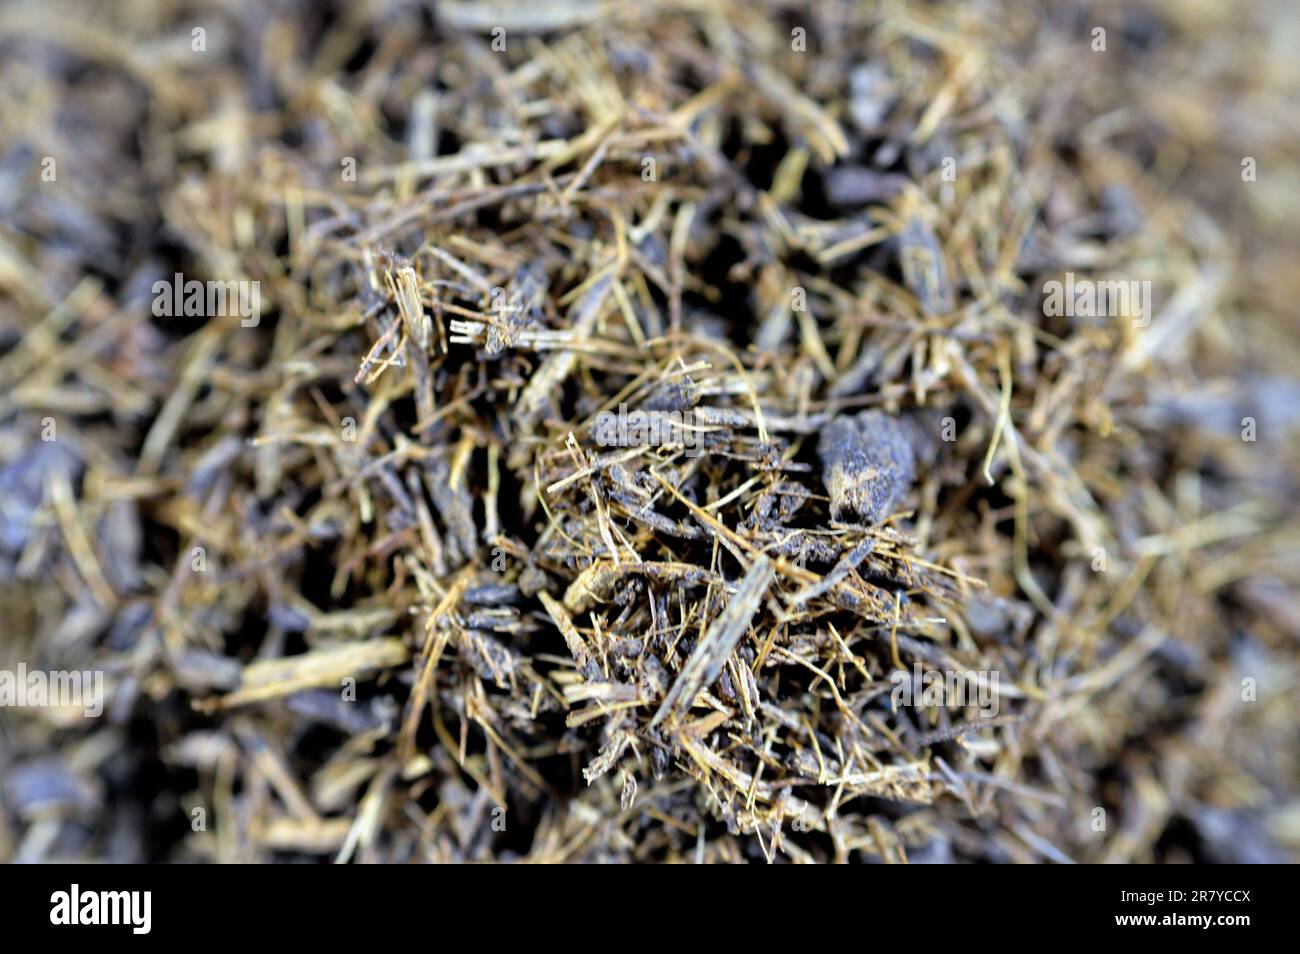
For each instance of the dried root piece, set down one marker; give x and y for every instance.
(869, 465)
(706, 662)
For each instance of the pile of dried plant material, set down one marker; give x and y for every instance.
(650, 437)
